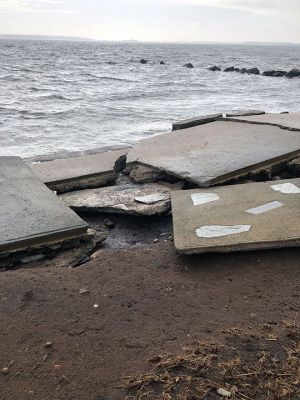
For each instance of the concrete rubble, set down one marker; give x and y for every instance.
(247, 145)
(211, 154)
(140, 200)
(94, 170)
(252, 216)
(290, 121)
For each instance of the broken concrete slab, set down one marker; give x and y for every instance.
(81, 172)
(188, 123)
(214, 153)
(30, 214)
(290, 121)
(244, 113)
(147, 199)
(251, 216)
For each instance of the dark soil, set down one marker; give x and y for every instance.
(108, 318)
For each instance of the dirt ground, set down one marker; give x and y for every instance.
(75, 333)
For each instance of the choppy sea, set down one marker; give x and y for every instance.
(58, 96)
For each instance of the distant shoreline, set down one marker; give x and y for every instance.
(133, 41)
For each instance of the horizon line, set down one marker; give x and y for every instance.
(80, 38)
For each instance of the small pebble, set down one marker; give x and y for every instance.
(48, 345)
(84, 291)
(224, 392)
(109, 223)
(96, 305)
(95, 255)
(5, 371)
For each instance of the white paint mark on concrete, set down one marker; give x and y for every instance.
(213, 231)
(265, 207)
(151, 198)
(202, 198)
(287, 188)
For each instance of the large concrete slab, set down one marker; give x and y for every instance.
(237, 217)
(188, 123)
(244, 113)
(289, 121)
(30, 213)
(81, 172)
(133, 199)
(213, 153)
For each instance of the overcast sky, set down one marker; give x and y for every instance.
(155, 20)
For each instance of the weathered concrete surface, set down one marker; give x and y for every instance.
(148, 199)
(81, 172)
(214, 153)
(289, 121)
(30, 214)
(188, 123)
(252, 209)
(244, 113)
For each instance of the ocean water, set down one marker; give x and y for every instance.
(67, 96)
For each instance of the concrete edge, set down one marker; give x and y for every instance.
(44, 239)
(236, 119)
(251, 246)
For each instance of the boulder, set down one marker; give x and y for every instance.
(237, 70)
(229, 69)
(243, 70)
(274, 73)
(271, 72)
(143, 61)
(253, 71)
(189, 65)
(162, 63)
(293, 73)
(214, 68)
(279, 74)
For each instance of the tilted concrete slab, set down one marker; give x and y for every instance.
(188, 123)
(251, 216)
(290, 121)
(214, 153)
(244, 113)
(81, 172)
(148, 199)
(30, 213)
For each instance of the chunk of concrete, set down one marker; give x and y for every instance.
(30, 213)
(147, 199)
(214, 153)
(251, 216)
(81, 172)
(290, 121)
(188, 123)
(244, 113)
